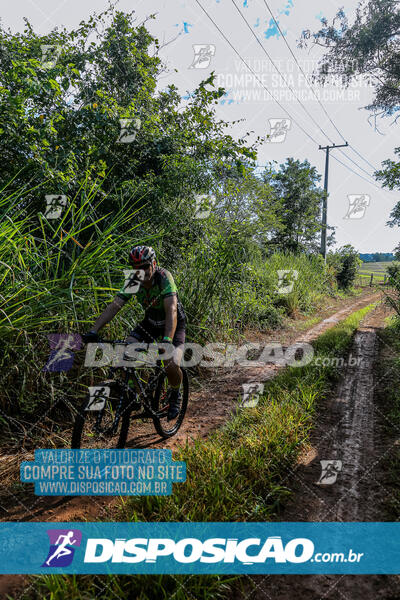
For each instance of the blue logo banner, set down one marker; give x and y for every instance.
(200, 548)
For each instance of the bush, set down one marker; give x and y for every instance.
(393, 297)
(345, 263)
(393, 271)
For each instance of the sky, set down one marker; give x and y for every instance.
(240, 42)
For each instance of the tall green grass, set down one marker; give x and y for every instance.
(58, 275)
(55, 279)
(257, 296)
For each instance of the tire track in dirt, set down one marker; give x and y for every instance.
(349, 429)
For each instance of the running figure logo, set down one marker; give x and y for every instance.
(286, 280)
(251, 394)
(97, 397)
(128, 132)
(204, 202)
(203, 54)
(61, 351)
(54, 205)
(133, 277)
(62, 547)
(50, 54)
(278, 130)
(329, 471)
(358, 204)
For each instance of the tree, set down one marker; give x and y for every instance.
(370, 47)
(345, 262)
(66, 119)
(297, 205)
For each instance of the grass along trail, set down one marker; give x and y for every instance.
(209, 408)
(237, 473)
(350, 428)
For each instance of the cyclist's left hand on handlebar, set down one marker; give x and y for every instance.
(90, 336)
(166, 342)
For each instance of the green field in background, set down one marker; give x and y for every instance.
(378, 269)
(374, 267)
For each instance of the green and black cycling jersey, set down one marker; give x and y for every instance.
(152, 300)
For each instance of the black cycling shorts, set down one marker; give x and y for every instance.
(149, 333)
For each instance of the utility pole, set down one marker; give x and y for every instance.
(325, 202)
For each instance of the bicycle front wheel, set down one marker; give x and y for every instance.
(102, 424)
(160, 405)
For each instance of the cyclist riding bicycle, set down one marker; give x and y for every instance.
(164, 316)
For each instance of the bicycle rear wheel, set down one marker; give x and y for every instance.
(160, 405)
(93, 426)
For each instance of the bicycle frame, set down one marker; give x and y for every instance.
(138, 389)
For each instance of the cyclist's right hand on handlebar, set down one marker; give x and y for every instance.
(90, 336)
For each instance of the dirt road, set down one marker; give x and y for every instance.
(350, 433)
(209, 408)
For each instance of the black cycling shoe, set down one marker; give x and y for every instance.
(175, 400)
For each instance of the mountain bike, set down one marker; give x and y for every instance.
(129, 393)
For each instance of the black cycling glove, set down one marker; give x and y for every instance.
(90, 336)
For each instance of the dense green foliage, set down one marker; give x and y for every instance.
(60, 134)
(345, 262)
(60, 121)
(393, 296)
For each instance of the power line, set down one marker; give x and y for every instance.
(312, 89)
(255, 74)
(358, 174)
(361, 156)
(277, 102)
(291, 88)
(280, 73)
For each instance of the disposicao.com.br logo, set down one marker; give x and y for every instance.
(247, 551)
